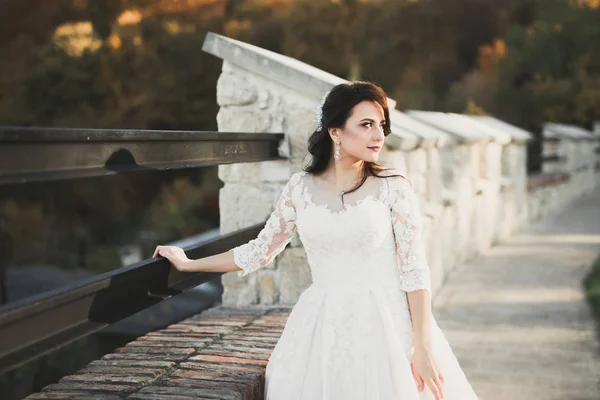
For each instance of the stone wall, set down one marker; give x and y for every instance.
(469, 172)
(569, 168)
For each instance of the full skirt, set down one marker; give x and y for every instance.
(355, 343)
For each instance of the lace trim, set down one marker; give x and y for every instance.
(275, 235)
(407, 227)
(307, 198)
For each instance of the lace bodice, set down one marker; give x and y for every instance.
(373, 238)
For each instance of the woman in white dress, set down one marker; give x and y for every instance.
(364, 328)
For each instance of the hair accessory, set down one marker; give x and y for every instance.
(320, 111)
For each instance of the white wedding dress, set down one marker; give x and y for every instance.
(349, 336)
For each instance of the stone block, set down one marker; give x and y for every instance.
(448, 239)
(242, 119)
(184, 393)
(244, 205)
(395, 159)
(266, 171)
(434, 177)
(447, 165)
(234, 90)
(493, 161)
(419, 184)
(266, 290)
(416, 161)
(239, 291)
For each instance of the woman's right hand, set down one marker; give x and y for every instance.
(175, 255)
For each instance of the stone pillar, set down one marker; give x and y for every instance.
(255, 95)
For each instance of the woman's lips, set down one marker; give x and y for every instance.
(374, 148)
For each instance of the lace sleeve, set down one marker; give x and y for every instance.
(272, 239)
(407, 226)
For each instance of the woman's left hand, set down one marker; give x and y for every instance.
(426, 371)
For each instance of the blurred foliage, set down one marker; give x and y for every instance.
(28, 225)
(546, 70)
(139, 64)
(174, 211)
(591, 284)
(82, 223)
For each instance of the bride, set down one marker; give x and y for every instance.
(364, 328)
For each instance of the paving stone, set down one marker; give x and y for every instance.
(89, 387)
(176, 392)
(228, 360)
(71, 395)
(132, 363)
(156, 350)
(125, 371)
(106, 378)
(144, 357)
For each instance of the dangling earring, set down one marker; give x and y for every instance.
(337, 155)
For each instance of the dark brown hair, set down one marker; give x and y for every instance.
(335, 111)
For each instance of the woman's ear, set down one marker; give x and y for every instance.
(333, 133)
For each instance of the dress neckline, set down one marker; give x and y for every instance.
(308, 199)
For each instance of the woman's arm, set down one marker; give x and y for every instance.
(250, 256)
(415, 281)
(222, 262)
(419, 303)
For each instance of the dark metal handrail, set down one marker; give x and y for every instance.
(34, 326)
(38, 154)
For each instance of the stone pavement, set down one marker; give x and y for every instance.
(516, 317)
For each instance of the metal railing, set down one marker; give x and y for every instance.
(37, 325)
(37, 154)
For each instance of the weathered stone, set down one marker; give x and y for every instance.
(395, 159)
(493, 161)
(267, 292)
(89, 386)
(233, 89)
(107, 378)
(243, 205)
(419, 184)
(240, 291)
(125, 371)
(416, 161)
(71, 395)
(433, 177)
(185, 393)
(237, 119)
(267, 171)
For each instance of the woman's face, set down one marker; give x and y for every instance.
(361, 138)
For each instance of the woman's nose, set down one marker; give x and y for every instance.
(379, 133)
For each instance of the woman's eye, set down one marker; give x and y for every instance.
(370, 125)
